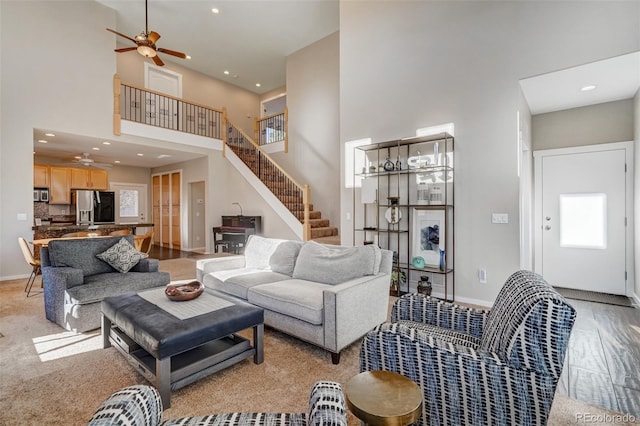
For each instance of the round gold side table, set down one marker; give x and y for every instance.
(383, 398)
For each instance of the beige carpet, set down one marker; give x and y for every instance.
(50, 376)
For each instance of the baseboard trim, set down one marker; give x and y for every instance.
(14, 277)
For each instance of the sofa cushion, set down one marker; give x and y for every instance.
(97, 287)
(238, 281)
(122, 256)
(335, 264)
(259, 250)
(299, 299)
(80, 253)
(283, 259)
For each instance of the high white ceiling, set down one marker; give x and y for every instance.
(249, 38)
(615, 79)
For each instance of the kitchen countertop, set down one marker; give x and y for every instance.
(73, 227)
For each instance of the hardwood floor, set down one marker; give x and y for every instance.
(603, 362)
(164, 253)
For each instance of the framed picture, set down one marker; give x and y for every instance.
(44, 195)
(36, 195)
(429, 235)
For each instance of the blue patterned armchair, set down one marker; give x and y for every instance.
(478, 367)
(140, 405)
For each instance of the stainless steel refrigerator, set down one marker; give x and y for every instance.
(93, 206)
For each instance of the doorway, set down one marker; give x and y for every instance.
(131, 203)
(273, 105)
(159, 110)
(583, 199)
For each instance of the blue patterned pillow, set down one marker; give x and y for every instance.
(122, 256)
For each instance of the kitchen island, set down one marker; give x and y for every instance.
(58, 230)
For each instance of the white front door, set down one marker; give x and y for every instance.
(131, 204)
(582, 219)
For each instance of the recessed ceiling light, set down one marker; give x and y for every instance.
(51, 135)
(215, 10)
(226, 72)
(588, 87)
(117, 161)
(43, 141)
(258, 84)
(106, 143)
(140, 155)
(188, 56)
(95, 148)
(163, 156)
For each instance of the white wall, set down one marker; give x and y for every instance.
(314, 115)
(56, 73)
(636, 183)
(589, 125)
(425, 63)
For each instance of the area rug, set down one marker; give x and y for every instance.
(54, 377)
(593, 296)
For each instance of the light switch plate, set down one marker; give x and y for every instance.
(500, 218)
(22, 217)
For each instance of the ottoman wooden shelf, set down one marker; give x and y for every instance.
(173, 344)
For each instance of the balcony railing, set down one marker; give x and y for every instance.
(272, 128)
(160, 110)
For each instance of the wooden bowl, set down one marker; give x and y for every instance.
(184, 291)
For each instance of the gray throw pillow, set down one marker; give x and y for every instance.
(335, 264)
(122, 256)
(283, 259)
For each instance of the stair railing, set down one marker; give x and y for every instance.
(294, 196)
(272, 128)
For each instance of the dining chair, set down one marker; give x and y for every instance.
(145, 245)
(120, 232)
(33, 262)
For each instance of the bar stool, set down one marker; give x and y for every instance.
(34, 263)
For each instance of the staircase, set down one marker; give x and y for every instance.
(210, 122)
(280, 184)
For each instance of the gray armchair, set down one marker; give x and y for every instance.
(476, 367)
(140, 405)
(75, 280)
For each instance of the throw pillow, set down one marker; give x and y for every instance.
(283, 259)
(122, 256)
(334, 264)
(259, 250)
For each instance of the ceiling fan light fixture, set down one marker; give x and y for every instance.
(147, 51)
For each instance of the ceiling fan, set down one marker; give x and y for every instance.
(89, 162)
(146, 43)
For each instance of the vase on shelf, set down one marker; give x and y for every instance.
(442, 262)
(424, 285)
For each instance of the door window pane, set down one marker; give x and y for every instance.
(128, 203)
(583, 220)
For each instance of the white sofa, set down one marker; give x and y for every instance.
(327, 295)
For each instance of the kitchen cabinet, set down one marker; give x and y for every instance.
(40, 176)
(60, 185)
(89, 179)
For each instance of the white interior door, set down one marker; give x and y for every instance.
(131, 204)
(582, 223)
(161, 111)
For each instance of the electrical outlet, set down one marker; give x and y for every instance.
(482, 275)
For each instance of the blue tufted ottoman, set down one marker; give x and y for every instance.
(173, 344)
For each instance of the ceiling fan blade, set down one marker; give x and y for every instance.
(125, 49)
(121, 35)
(152, 37)
(158, 61)
(172, 52)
